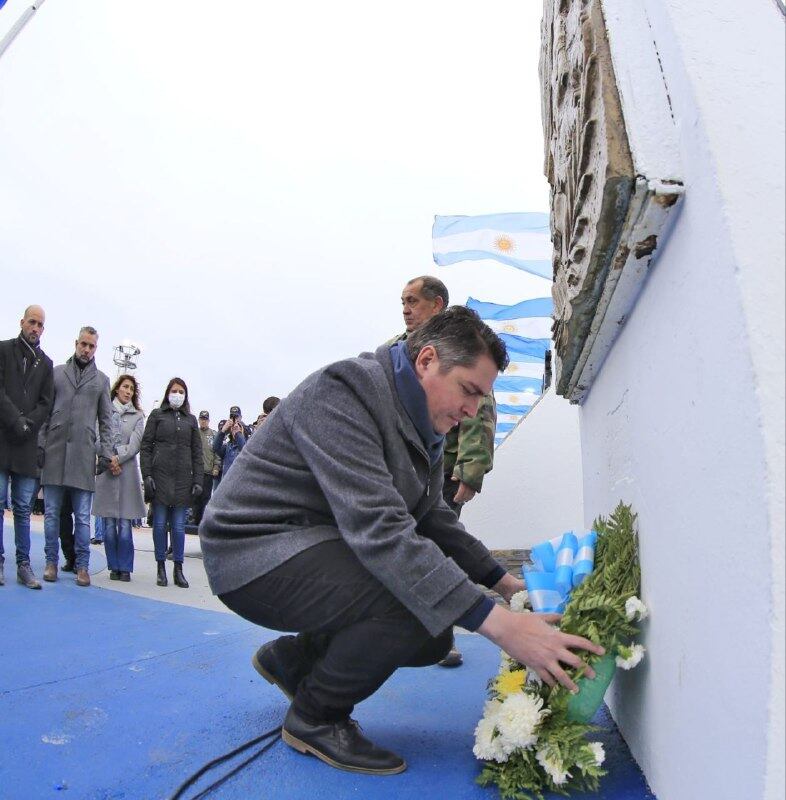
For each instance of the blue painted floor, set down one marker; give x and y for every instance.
(108, 696)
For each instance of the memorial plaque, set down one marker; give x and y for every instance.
(599, 194)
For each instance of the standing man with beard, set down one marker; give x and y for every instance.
(25, 403)
(469, 446)
(68, 450)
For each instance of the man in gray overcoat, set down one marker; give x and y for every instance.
(68, 450)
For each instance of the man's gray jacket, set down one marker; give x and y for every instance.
(340, 458)
(69, 437)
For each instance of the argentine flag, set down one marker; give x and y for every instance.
(525, 328)
(521, 240)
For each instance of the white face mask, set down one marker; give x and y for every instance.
(176, 399)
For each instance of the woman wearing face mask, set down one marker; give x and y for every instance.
(172, 467)
(118, 496)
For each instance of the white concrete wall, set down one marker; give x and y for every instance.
(534, 491)
(686, 421)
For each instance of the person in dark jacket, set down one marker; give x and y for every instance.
(332, 524)
(230, 439)
(26, 392)
(172, 466)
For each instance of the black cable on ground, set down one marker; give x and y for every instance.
(273, 732)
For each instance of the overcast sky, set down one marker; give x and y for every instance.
(243, 189)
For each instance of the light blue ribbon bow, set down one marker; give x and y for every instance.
(558, 566)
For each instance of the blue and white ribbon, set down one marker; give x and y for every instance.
(543, 592)
(558, 566)
(584, 562)
(563, 575)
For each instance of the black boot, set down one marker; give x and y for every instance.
(178, 577)
(161, 578)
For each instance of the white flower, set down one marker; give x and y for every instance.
(635, 609)
(487, 746)
(553, 768)
(519, 601)
(491, 709)
(518, 719)
(629, 657)
(598, 753)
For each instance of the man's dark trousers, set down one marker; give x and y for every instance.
(67, 544)
(353, 633)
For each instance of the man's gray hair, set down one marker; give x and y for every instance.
(432, 288)
(460, 338)
(88, 329)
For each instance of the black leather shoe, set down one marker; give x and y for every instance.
(114, 575)
(279, 662)
(452, 659)
(124, 576)
(69, 566)
(341, 745)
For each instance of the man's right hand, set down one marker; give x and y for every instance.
(226, 426)
(23, 428)
(531, 640)
(150, 485)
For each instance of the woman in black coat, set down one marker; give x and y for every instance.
(171, 462)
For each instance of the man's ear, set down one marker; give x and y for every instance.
(426, 357)
(439, 304)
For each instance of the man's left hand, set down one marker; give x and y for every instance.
(464, 494)
(508, 586)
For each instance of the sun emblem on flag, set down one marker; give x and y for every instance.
(510, 327)
(514, 399)
(504, 243)
(512, 368)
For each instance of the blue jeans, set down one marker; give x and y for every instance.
(23, 489)
(98, 535)
(176, 516)
(118, 544)
(82, 502)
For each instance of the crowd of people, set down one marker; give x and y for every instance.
(89, 449)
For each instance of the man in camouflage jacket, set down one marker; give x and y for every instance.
(469, 447)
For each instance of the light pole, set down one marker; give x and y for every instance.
(124, 353)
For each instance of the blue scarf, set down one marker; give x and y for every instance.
(413, 398)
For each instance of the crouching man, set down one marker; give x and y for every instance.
(332, 525)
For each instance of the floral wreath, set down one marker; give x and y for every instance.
(534, 738)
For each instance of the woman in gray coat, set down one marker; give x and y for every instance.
(118, 497)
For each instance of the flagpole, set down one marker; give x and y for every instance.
(5, 43)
